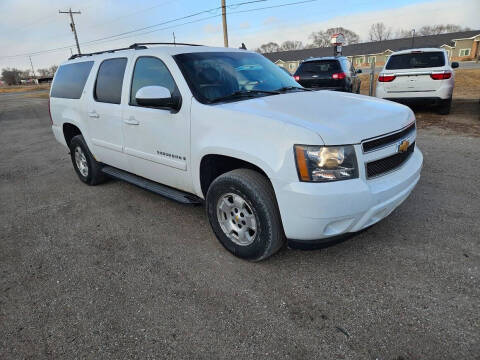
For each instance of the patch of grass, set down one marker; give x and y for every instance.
(22, 88)
(37, 94)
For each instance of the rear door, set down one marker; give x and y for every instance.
(319, 74)
(104, 113)
(412, 71)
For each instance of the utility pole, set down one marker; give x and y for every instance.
(173, 37)
(224, 18)
(413, 37)
(33, 70)
(72, 25)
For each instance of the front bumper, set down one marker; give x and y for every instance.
(312, 211)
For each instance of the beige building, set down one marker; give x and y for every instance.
(464, 49)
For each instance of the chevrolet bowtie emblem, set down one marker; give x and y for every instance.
(403, 146)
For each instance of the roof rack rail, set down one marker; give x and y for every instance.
(164, 43)
(134, 47)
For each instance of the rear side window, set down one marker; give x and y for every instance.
(416, 60)
(108, 87)
(150, 71)
(320, 67)
(70, 80)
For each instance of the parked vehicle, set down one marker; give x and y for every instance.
(328, 73)
(270, 159)
(418, 76)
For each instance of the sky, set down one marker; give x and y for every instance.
(35, 26)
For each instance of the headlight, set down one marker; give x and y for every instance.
(326, 163)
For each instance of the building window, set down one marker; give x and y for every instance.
(359, 61)
(464, 52)
(291, 66)
(372, 59)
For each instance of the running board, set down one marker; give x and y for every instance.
(168, 192)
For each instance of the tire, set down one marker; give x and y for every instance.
(444, 107)
(85, 165)
(262, 233)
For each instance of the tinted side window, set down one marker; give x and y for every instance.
(70, 80)
(108, 87)
(150, 71)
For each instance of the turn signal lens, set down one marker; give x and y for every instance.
(386, 78)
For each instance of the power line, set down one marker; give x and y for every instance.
(129, 33)
(208, 18)
(173, 20)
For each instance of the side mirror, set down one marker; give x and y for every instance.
(455, 65)
(358, 71)
(157, 96)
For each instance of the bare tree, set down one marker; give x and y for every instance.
(11, 76)
(440, 29)
(48, 71)
(53, 69)
(291, 45)
(402, 33)
(268, 48)
(43, 72)
(379, 32)
(322, 38)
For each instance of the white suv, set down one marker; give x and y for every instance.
(271, 160)
(418, 75)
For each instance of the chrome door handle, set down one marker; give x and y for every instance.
(131, 121)
(93, 114)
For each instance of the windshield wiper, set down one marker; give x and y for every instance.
(243, 93)
(288, 88)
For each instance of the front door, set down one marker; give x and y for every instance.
(156, 139)
(104, 113)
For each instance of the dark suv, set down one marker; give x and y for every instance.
(328, 73)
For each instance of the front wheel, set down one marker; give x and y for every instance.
(243, 212)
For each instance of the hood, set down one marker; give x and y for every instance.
(338, 118)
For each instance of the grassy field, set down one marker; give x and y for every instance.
(22, 88)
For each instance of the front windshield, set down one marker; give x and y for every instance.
(220, 75)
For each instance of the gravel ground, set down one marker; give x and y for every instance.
(113, 271)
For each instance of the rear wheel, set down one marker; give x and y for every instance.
(444, 107)
(85, 165)
(243, 212)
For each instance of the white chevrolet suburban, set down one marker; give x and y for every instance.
(271, 160)
(418, 76)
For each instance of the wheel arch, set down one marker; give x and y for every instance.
(213, 165)
(69, 131)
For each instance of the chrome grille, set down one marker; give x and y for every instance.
(374, 144)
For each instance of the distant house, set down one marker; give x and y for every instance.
(44, 79)
(464, 48)
(461, 46)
